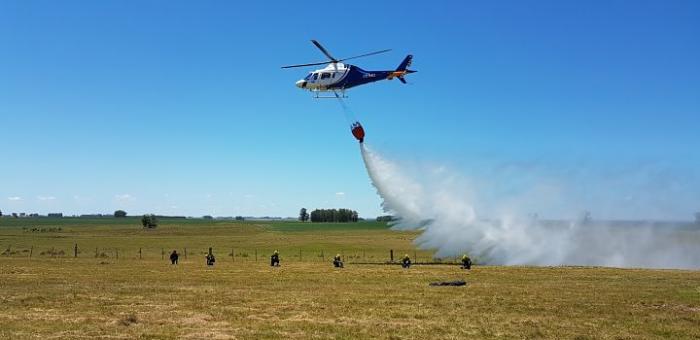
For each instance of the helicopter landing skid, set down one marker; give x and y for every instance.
(334, 96)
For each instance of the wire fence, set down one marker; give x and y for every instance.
(231, 254)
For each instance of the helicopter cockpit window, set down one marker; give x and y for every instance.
(315, 76)
(325, 75)
(309, 76)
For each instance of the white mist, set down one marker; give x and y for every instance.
(444, 212)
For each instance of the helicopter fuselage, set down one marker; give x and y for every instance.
(339, 77)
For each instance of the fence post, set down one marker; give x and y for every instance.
(75, 250)
(391, 254)
(139, 253)
(256, 255)
(31, 250)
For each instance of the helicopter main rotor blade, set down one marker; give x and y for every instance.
(302, 65)
(333, 60)
(324, 51)
(365, 55)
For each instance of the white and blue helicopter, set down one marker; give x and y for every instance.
(337, 76)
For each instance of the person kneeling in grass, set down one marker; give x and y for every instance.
(210, 259)
(466, 262)
(406, 261)
(174, 257)
(337, 261)
(275, 259)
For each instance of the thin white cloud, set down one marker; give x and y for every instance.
(340, 194)
(14, 198)
(123, 197)
(82, 199)
(46, 198)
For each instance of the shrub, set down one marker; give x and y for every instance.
(149, 221)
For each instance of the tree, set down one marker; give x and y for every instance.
(0, 213)
(149, 221)
(334, 215)
(208, 217)
(303, 215)
(385, 218)
(240, 218)
(120, 213)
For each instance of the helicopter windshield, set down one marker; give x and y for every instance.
(309, 76)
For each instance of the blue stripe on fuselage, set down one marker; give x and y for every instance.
(357, 76)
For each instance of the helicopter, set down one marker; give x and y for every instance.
(338, 76)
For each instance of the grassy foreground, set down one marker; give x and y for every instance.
(58, 296)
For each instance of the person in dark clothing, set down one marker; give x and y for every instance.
(275, 259)
(466, 262)
(173, 257)
(210, 259)
(406, 261)
(337, 261)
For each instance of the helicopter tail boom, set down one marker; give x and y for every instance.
(402, 70)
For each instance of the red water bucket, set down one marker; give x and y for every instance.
(358, 132)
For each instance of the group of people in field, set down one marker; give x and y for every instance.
(174, 257)
(337, 260)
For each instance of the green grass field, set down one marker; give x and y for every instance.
(119, 295)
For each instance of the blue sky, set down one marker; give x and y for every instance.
(181, 108)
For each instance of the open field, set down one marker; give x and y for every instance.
(123, 238)
(55, 295)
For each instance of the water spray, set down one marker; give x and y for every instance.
(438, 205)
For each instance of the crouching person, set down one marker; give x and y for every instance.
(337, 261)
(275, 259)
(210, 259)
(466, 262)
(406, 261)
(174, 256)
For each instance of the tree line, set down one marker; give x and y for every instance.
(329, 215)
